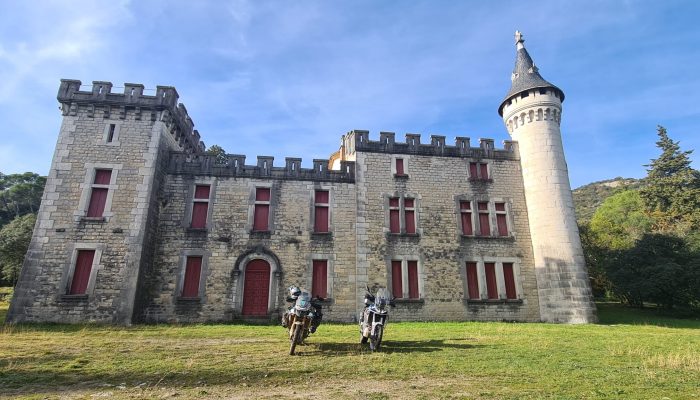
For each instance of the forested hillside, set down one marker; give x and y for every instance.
(588, 198)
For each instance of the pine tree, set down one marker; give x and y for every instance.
(672, 191)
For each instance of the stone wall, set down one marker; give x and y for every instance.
(438, 183)
(228, 243)
(62, 227)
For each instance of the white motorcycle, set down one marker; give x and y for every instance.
(374, 317)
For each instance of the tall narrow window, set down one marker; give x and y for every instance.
(321, 208)
(396, 279)
(81, 272)
(98, 195)
(319, 279)
(501, 219)
(399, 167)
(472, 281)
(473, 171)
(394, 225)
(200, 206)
(484, 171)
(193, 272)
(465, 210)
(491, 286)
(410, 215)
(413, 280)
(509, 280)
(484, 228)
(262, 210)
(110, 133)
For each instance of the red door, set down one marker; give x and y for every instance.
(256, 288)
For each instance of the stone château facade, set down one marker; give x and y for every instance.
(139, 224)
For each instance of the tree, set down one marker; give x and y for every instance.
(672, 191)
(219, 154)
(660, 268)
(20, 194)
(14, 242)
(620, 221)
(595, 256)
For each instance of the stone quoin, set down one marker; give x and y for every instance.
(139, 224)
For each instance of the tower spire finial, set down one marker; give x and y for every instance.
(519, 41)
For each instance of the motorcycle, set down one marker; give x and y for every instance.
(374, 317)
(302, 319)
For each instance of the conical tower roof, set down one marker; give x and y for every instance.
(525, 75)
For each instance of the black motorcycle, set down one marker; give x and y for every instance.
(301, 319)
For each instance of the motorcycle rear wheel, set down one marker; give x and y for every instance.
(376, 340)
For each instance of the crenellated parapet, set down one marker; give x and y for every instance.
(233, 165)
(101, 102)
(462, 148)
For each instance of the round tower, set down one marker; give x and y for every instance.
(531, 112)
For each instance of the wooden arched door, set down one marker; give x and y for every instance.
(256, 288)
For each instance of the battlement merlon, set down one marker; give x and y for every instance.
(166, 99)
(437, 146)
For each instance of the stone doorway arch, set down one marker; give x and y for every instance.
(251, 270)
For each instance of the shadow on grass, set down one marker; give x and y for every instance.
(24, 382)
(619, 314)
(396, 346)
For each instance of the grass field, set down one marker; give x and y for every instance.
(631, 354)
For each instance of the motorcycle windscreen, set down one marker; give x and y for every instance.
(382, 298)
(303, 302)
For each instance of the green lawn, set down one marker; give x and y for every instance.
(631, 354)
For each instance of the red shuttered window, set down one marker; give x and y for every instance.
(465, 210)
(200, 206)
(98, 199)
(394, 225)
(501, 219)
(98, 194)
(483, 171)
(321, 211)
(413, 280)
(396, 279)
(491, 286)
(193, 272)
(484, 227)
(399, 167)
(473, 171)
(261, 215)
(509, 278)
(319, 282)
(478, 171)
(81, 272)
(472, 281)
(410, 215)
(398, 207)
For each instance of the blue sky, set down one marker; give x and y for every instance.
(287, 79)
